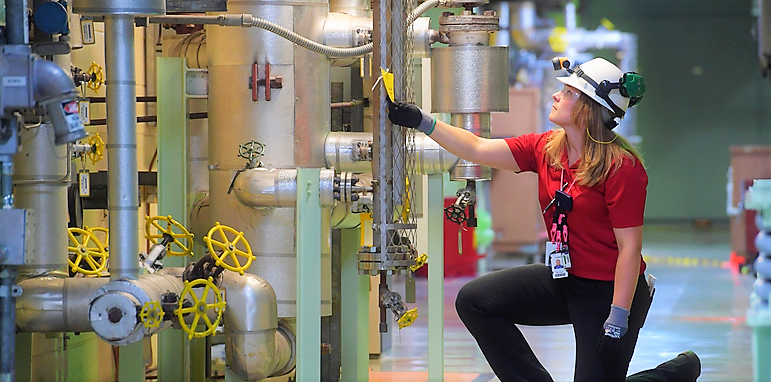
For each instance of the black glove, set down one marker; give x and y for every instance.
(409, 115)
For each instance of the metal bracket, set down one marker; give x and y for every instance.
(255, 82)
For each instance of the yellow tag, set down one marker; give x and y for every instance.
(87, 30)
(388, 81)
(84, 184)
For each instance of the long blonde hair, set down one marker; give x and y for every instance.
(600, 155)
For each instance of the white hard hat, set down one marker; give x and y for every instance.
(588, 76)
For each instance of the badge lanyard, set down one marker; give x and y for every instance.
(557, 256)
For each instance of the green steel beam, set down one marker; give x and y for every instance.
(23, 366)
(435, 279)
(308, 275)
(355, 308)
(173, 346)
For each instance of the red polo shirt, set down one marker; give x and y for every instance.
(618, 202)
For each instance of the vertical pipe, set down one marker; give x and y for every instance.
(6, 184)
(41, 185)
(122, 146)
(16, 22)
(7, 324)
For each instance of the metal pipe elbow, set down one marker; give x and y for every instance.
(51, 82)
(255, 348)
(272, 188)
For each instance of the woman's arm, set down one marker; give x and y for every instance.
(627, 266)
(489, 152)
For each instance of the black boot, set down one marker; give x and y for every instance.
(686, 367)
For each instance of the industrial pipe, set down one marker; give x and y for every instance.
(255, 347)
(53, 88)
(56, 303)
(122, 146)
(16, 22)
(41, 177)
(353, 152)
(271, 188)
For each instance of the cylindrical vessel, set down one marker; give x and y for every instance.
(119, 7)
(122, 146)
(470, 79)
(292, 125)
(56, 304)
(41, 176)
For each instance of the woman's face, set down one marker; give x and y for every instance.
(564, 100)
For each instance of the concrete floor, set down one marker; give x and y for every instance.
(700, 305)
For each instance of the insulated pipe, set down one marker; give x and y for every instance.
(122, 146)
(254, 347)
(355, 8)
(41, 178)
(52, 304)
(352, 152)
(270, 188)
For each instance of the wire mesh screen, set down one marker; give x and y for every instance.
(402, 139)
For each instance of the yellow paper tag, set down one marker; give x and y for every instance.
(388, 81)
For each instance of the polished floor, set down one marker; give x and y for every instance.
(700, 304)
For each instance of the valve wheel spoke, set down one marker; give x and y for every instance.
(187, 310)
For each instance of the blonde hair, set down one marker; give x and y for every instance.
(600, 155)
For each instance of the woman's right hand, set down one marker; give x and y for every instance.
(409, 115)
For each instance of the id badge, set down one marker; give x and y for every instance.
(557, 258)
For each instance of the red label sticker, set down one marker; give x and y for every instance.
(71, 107)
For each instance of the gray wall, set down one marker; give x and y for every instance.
(704, 94)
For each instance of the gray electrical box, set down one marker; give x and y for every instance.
(15, 229)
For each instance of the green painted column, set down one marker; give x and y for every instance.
(131, 365)
(173, 345)
(82, 359)
(435, 279)
(23, 367)
(308, 275)
(355, 308)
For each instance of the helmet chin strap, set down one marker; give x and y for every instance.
(608, 120)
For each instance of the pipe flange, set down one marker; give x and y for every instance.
(468, 22)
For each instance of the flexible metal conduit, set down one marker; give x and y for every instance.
(247, 20)
(122, 146)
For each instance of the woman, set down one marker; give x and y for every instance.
(592, 189)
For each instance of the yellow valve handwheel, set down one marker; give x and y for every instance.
(151, 314)
(89, 249)
(96, 154)
(200, 307)
(419, 262)
(105, 231)
(155, 238)
(97, 76)
(408, 318)
(229, 249)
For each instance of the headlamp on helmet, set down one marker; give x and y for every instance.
(630, 85)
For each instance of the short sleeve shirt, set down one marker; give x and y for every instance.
(617, 202)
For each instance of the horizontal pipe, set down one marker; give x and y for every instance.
(344, 105)
(149, 118)
(139, 99)
(56, 304)
(352, 152)
(272, 188)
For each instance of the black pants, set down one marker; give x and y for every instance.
(490, 306)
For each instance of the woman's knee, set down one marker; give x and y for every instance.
(466, 299)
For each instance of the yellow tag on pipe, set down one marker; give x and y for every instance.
(388, 81)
